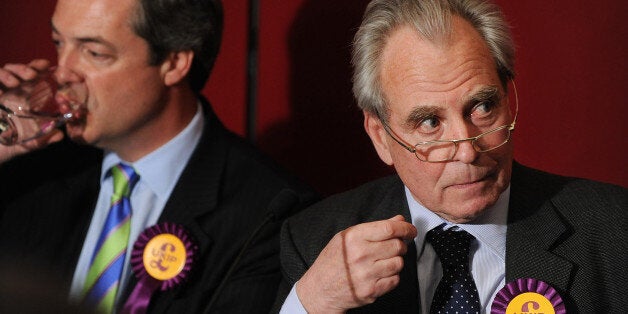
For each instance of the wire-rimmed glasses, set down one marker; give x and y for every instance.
(445, 150)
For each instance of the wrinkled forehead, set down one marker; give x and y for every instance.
(94, 15)
(413, 66)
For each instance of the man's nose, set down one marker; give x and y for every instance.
(65, 76)
(466, 152)
(68, 60)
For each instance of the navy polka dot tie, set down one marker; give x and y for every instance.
(456, 292)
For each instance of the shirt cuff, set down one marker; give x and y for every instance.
(292, 305)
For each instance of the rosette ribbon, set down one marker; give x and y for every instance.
(527, 295)
(162, 259)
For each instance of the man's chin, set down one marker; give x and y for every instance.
(469, 209)
(76, 132)
(463, 216)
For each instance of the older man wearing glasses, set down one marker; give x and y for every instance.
(461, 227)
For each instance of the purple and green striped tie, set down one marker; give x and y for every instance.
(107, 263)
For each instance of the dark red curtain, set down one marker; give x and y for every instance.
(571, 78)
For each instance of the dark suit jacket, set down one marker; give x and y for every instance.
(570, 233)
(225, 192)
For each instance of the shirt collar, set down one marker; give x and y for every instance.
(489, 229)
(160, 169)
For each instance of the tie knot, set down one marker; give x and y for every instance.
(124, 179)
(451, 246)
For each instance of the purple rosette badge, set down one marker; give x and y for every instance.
(527, 296)
(162, 259)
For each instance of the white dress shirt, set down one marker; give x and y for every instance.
(159, 172)
(487, 254)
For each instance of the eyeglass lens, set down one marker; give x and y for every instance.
(445, 150)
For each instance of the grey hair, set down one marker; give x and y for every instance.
(432, 20)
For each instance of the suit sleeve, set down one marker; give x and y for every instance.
(293, 266)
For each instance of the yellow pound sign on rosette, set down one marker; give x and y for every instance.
(164, 256)
(530, 302)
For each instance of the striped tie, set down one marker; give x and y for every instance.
(103, 277)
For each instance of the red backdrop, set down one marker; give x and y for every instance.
(571, 76)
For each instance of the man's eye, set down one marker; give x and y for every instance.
(56, 43)
(483, 109)
(95, 54)
(429, 124)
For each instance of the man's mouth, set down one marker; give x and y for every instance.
(473, 182)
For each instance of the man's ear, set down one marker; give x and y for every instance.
(176, 67)
(379, 137)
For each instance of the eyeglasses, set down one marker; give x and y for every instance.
(445, 150)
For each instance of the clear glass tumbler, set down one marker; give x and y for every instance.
(37, 107)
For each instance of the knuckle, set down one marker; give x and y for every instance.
(349, 244)
(349, 235)
(388, 229)
(396, 264)
(388, 284)
(368, 294)
(348, 240)
(358, 253)
(392, 282)
(400, 247)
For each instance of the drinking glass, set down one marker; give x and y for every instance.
(37, 107)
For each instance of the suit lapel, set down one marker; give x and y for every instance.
(195, 194)
(535, 229)
(82, 189)
(405, 297)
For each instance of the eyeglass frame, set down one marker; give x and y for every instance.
(473, 139)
